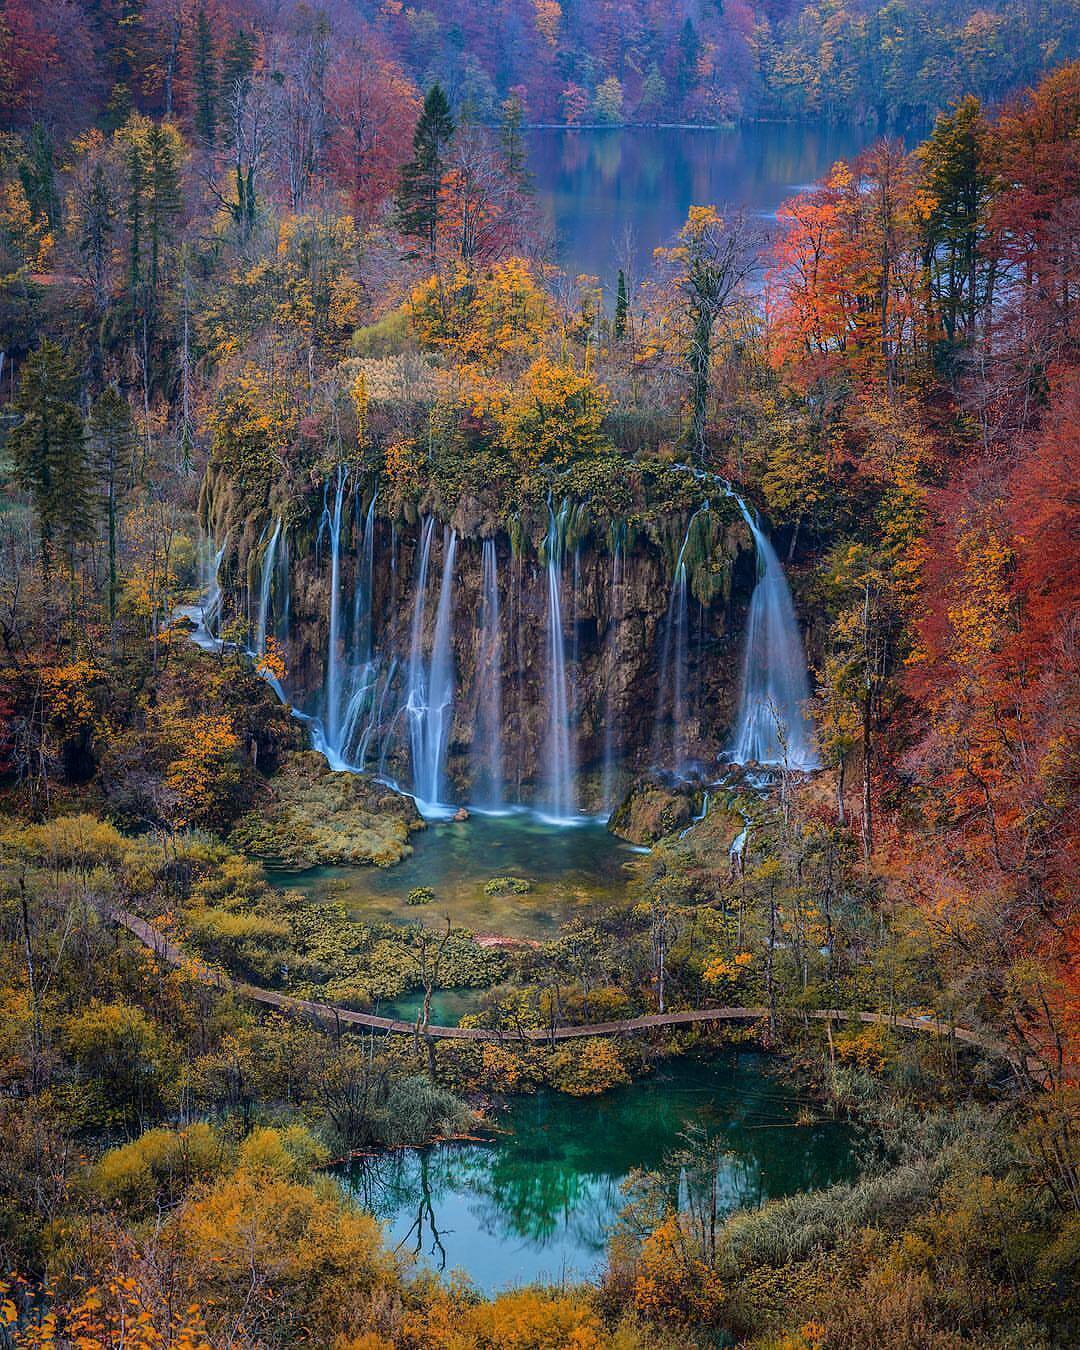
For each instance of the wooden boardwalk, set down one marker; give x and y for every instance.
(170, 952)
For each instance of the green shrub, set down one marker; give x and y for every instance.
(159, 1165)
(507, 886)
(420, 895)
(418, 1109)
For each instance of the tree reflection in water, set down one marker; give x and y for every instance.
(540, 1202)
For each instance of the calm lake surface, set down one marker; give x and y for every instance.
(571, 871)
(600, 188)
(539, 1203)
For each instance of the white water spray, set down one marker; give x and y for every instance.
(772, 725)
(561, 789)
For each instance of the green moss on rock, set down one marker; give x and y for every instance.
(314, 816)
(507, 886)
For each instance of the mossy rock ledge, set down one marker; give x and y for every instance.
(653, 809)
(313, 816)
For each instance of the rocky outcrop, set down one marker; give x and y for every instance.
(313, 816)
(616, 590)
(653, 809)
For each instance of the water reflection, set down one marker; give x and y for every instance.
(570, 872)
(539, 1202)
(593, 186)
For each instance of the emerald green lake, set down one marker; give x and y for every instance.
(538, 1203)
(571, 871)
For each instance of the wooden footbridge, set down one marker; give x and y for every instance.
(172, 954)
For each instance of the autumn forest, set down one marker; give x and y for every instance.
(539, 786)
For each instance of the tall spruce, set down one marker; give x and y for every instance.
(112, 443)
(512, 139)
(961, 184)
(47, 447)
(162, 157)
(205, 80)
(622, 308)
(418, 207)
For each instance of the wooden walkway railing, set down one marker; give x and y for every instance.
(170, 952)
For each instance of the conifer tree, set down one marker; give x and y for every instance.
(512, 139)
(112, 439)
(164, 198)
(421, 179)
(205, 80)
(622, 308)
(48, 451)
(961, 184)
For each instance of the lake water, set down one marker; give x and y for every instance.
(570, 872)
(538, 1204)
(610, 197)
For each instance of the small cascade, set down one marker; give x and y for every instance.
(360, 710)
(561, 787)
(772, 725)
(265, 582)
(669, 726)
(487, 774)
(615, 617)
(204, 614)
(362, 598)
(332, 710)
(210, 607)
(430, 702)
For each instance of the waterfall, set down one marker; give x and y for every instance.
(487, 743)
(430, 701)
(775, 687)
(204, 614)
(332, 709)
(265, 582)
(210, 608)
(615, 615)
(561, 787)
(669, 725)
(364, 660)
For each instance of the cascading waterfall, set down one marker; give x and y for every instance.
(210, 609)
(332, 709)
(430, 702)
(772, 725)
(615, 617)
(265, 582)
(669, 725)
(365, 662)
(381, 701)
(487, 746)
(561, 802)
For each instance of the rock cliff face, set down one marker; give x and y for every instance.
(473, 662)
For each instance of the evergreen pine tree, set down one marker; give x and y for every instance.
(512, 139)
(48, 451)
(136, 167)
(622, 308)
(112, 439)
(164, 197)
(37, 173)
(960, 182)
(421, 177)
(205, 80)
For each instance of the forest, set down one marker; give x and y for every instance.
(451, 705)
(891, 63)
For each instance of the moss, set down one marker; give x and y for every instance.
(650, 811)
(507, 886)
(314, 816)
